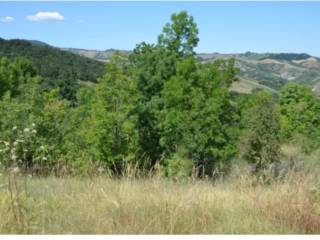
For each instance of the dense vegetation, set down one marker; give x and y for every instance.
(155, 110)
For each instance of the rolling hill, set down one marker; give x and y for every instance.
(274, 70)
(258, 70)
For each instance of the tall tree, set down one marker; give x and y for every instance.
(181, 35)
(153, 66)
(198, 115)
(113, 135)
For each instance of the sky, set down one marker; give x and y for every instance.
(225, 27)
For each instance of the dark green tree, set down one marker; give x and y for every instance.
(198, 115)
(152, 66)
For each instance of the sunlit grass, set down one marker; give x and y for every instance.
(147, 206)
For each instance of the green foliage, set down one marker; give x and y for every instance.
(261, 138)
(14, 74)
(181, 35)
(300, 110)
(178, 165)
(113, 135)
(152, 66)
(27, 106)
(24, 150)
(198, 114)
(300, 114)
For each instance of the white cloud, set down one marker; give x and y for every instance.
(7, 19)
(46, 16)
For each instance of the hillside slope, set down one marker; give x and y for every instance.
(51, 62)
(274, 70)
(266, 70)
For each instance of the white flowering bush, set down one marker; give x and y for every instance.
(24, 150)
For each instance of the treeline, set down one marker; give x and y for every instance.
(157, 109)
(59, 69)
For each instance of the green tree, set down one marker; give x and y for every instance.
(198, 115)
(261, 139)
(113, 135)
(181, 35)
(300, 111)
(152, 67)
(14, 74)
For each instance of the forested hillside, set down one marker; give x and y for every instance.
(58, 68)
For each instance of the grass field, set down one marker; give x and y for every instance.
(245, 85)
(158, 206)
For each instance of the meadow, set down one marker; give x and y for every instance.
(237, 204)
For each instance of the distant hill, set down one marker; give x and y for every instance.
(103, 56)
(258, 70)
(51, 62)
(274, 69)
(38, 43)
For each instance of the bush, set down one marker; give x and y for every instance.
(178, 165)
(25, 151)
(261, 138)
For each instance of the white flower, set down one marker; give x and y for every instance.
(14, 128)
(34, 131)
(44, 159)
(33, 125)
(15, 143)
(6, 144)
(13, 157)
(26, 130)
(41, 147)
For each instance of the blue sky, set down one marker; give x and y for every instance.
(227, 27)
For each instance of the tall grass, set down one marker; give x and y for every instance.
(149, 204)
(158, 206)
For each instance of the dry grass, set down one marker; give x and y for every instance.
(158, 206)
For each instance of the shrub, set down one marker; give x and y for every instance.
(261, 139)
(178, 165)
(24, 150)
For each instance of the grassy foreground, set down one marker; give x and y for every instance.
(158, 206)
